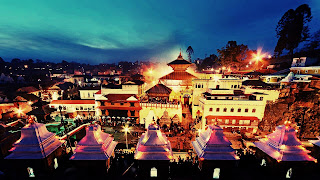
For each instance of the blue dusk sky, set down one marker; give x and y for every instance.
(103, 31)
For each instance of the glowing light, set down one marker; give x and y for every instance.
(316, 161)
(201, 159)
(150, 71)
(259, 56)
(29, 102)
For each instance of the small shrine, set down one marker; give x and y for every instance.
(284, 151)
(37, 151)
(214, 151)
(95, 150)
(153, 153)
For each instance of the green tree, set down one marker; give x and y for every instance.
(233, 55)
(292, 29)
(190, 52)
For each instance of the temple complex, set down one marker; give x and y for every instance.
(37, 151)
(153, 153)
(180, 81)
(284, 151)
(214, 151)
(95, 149)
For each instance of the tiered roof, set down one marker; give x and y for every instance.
(36, 142)
(153, 145)
(96, 145)
(283, 145)
(159, 89)
(213, 145)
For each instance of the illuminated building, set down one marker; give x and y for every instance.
(283, 151)
(231, 109)
(119, 105)
(73, 108)
(153, 153)
(214, 151)
(212, 81)
(179, 79)
(95, 150)
(37, 149)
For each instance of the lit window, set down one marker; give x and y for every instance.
(153, 172)
(227, 121)
(239, 110)
(241, 122)
(253, 110)
(218, 109)
(233, 121)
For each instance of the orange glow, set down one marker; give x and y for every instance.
(201, 159)
(259, 56)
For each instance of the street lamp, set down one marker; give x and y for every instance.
(259, 56)
(61, 118)
(126, 130)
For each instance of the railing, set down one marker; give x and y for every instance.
(160, 105)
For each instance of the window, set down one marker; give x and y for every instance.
(233, 121)
(316, 71)
(247, 122)
(102, 103)
(231, 110)
(121, 104)
(224, 109)
(226, 121)
(81, 108)
(132, 104)
(153, 172)
(210, 109)
(239, 110)
(112, 103)
(215, 97)
(253, 110)
(218, 109)
(103, 112)
(306, 71)
(132, 113)
(218, 86)
(261, 98)
(246, 110)
(88, 94)
(268, 79)
(231, 86)
(241, 122)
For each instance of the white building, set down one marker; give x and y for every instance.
(214, 81)
(231, 109)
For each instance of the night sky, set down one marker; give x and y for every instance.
(103, 31)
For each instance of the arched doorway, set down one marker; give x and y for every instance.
(186, 98)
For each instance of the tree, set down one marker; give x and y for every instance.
(190, 52)
(314, 42)
(234, 55)
(292, 29)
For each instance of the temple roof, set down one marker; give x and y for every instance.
(153, 145)
(96, 145)
(213, 145)
(179, 60)
(159, 89)
(179, 75)
(36, 142)
(283, 145)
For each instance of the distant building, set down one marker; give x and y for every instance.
(83, 108)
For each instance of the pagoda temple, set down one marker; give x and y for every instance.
(95, 150)
(36, 152)
(159, 93)
(214, 151)
(179, 80)
(284, 151)
(153, 153)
